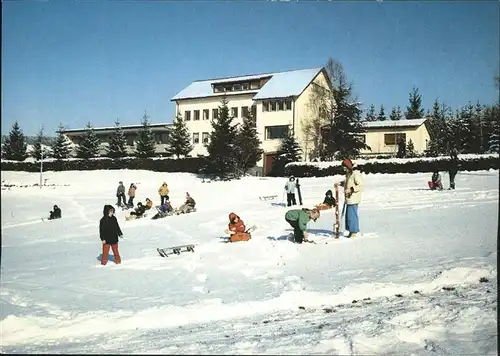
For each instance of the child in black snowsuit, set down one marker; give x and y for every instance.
(138, 212)
(56, 213)
(328, 203)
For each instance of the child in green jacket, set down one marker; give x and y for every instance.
(298, 219)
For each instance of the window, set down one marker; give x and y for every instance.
(273, 106)
(276, 132)
(206, 113)
(392, 139)
(244, 111)
(281, 105)
(254, 85)
(196, 138)
(288, 104)
(246, 86)
(205, 137)
(254, 111)
(158, 138)
(265, 106)
(237, 87)
(196, 115)
(164, 138)
(234, 112)
(187, 115)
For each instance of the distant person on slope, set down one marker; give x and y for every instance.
(137, 213)
(149, 204)
(453, 167)
(120, 194)
(188, 205)
(163, 210)
(298, 219)
(435, 182)
(237, 229)
(163, 191)
(131, 195)
(353, 187)
(290, 191)
(56, 213)
(328, 203)
(109, 232)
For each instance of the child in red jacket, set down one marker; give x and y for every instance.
(237, 229)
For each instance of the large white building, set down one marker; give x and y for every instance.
(279, 101)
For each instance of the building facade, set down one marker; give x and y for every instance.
(382, 136)
(278, 101)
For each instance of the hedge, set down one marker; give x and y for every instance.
(416, 165)
(187, 165)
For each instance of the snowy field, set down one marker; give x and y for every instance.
(420, 280)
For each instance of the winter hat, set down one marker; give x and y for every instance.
(347, 163)
(187, 194)
(120, 182)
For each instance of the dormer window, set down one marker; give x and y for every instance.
(246, 86)
(237, 87)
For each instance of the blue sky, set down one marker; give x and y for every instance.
(74, 62)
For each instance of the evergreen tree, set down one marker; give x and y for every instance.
(493, 142)
(38, 150)
(410, 150)
(438, 130)
(468, 135)
(89, 144)
(248, 144)
(221, 146)
(395, 114)
(146, 142)
(414, 110)
(117, 142)
(370, 115)
(381, 115)
(61, 148)
(179, 143)
(342, 138)
(492, 122)
(288, 151)
(14, 147)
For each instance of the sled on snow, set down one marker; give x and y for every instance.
(175, 250)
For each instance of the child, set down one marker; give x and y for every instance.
(56, 213)
(328, 203)
(188, 206)
(149, 204)
(137, 213)
(435, 182)
(236, 228)
(298, 219)
(131, 195)
(163, 210)
(109, 232)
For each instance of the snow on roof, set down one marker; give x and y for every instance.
(137, 126)
(393, 123)
(281, 84)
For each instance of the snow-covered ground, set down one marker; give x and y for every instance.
(381, 293)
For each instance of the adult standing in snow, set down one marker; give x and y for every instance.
(453, 170)
(131, 195)
(353, 187)
(298, 219)
(163, 191)
(290, 191)
(120, 194)
(109, 232)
